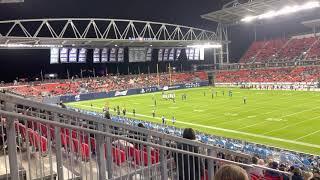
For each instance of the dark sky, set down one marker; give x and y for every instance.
(186, 12)
(20, 63)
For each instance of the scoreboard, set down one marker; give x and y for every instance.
(54, 56)
(68, 55)
(117, 54)
(140, 54)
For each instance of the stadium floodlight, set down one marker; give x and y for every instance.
(29, 46)
(206, 46)
(285, 10)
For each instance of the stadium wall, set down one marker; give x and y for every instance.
(111, 94)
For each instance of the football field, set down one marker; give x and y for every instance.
(286, 119)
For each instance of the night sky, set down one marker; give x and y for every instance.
(23, 63)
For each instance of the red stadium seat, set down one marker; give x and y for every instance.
(44, 130)
(141, 158)
(205, 176)
(52, 133)
(39, 142)
(30, 136)
(118, 155)
(22, 129)
(74, 134)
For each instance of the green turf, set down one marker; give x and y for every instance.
(286, 119)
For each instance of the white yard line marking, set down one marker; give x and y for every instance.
(291, 125)
(277, 118)
(315, 132)
(244, 118)
(198, 110)
(235, 132)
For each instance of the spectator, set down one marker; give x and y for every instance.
(297, 174)
(256, 171)
(231, 172)
(282, 167)
(316, 172)
(107, 114)
(307, 175)
(189, 167)
(273, 165)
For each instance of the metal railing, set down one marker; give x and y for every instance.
(41, 141)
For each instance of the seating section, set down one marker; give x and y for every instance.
(36, 141)
(314, 52)
(102, 84)
(290, 74)
(270, 50)
(255, 47)
(78, 143)
(295, 48)
(279, 50)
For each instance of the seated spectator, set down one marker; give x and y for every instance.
(189, 167)
(256, 171)
(231, 172)
(316, 172)
(283, 167)
(297, 174)
(273, 165)
(307, 175)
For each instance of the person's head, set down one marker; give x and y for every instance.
(140, 125)
(254, 160)
(231, 172)
(282, 167)
(307, 175)
(189, 133)
(273, 165)
(297, 171)
(261, 162)
(316, 172)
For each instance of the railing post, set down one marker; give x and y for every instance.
(149, 158)
(211, 153)
(58, 148)
(100, 154)
(163, 161)
(11, 142)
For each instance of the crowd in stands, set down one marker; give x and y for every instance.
(110, 83)
(283, 50)
(289, 74)
(255, 47)
(301, 166)
(104, 84)
(269, 50)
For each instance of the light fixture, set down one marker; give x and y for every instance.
(285, 10)
(30, 46)
(206, 46)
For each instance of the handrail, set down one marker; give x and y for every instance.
(24, 117)
(38, 105)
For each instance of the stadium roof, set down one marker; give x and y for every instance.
(233, 12)
(95, 32)
(312, 23)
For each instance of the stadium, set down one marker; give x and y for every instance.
(226, 90)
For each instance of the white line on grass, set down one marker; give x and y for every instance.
(278, 118)
(245, 118)
(300, 122)
(315, 132)
(233, 131)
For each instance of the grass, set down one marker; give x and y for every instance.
(286, 119)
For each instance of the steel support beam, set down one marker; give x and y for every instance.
(11, 141)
